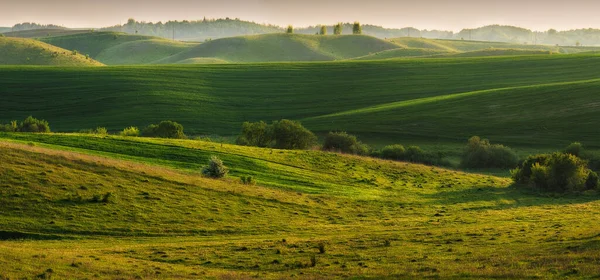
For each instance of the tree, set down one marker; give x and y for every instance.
(290, 29)
(552, 32)
(323, 30)
(356, 28)
(480, 153)
(345, 143)
(337, 29)
(165, 129)
(292, 135)
(215, 168)
(257, 134)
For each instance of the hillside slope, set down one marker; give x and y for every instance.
(18, 51)
(284, 47)
(216, 99)
(161, 216)
(41, 33)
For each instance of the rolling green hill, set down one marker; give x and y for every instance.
(403, 52)
(312, 214)
(41, 33)
(284, 47)
(18, 51)
(499, 52)
(412, 100)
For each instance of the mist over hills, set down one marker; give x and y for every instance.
(208, 29)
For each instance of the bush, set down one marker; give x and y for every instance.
(12, 127)
(215, 168)
(292, 135)
(130, 131)
(393, 152)
(479, 153)
(558, 172)
(345, 143)
(31, 124)
(165, 129)
(248, 180)
(257, 134)
(575, 149)
(101, 131)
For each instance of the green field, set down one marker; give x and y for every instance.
(372, 218)
(18, 51)
(507, 99)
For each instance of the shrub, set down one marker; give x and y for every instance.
(101, 131)
(31, 124)
(248, 180)
(393, 152)
(575, 149)
(345, 143)
(257, 134)
(130, 131)
(592, 181)
(292, 135)
(165, 129)
(558, 172)
(479, 153)
(215, 168)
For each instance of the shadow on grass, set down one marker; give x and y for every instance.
(506, 197)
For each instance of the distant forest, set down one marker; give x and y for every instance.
(208, 29)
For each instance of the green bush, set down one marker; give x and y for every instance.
(479, 153)
(215, 168)
(248, 180)
(575, 149)
(393, 152)
(345, 143)
(31, 124)
(292, 135)
(101, 131)
(558, 172)
(165, 129)
(131, 131)
(258, 134)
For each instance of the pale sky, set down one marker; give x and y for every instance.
(423, 14)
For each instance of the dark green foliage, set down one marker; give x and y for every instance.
(215, 168)
(248, 180)
(323, 30)
(345, 143)
(393, 152)
(165, 129)
(356, 28)
(575, 149)
(321, 248)
(283, 134)
(292, 135)
(130, 131)
(338, 28)
(290, 29)
(479, 153)
(558, 172)
(592, 181)
(30, 124)
(257, 134)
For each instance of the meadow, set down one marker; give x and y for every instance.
(311, 215)
(85, 206)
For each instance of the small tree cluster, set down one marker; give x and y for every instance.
(215, 168)
(412, 154)
(323, 30)
(247, 180)
(290, 29)
(283, 134)
(479, 153)
(356, 28)
(345, 143)
(165, 129)
(557, 172)
(338, 28)
(30, 124)
(131, 131)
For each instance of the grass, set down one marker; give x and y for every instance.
(382, 220)
(41, 33)
(284, 47)
(412, 101)
(19, 51)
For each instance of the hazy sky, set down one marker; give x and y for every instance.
(423, 14)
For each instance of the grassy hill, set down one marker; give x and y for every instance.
(499, 52)
(41, 33)
(403, 52)
(18, 51)
(355, 217)
(284, 47)
(414, 100)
